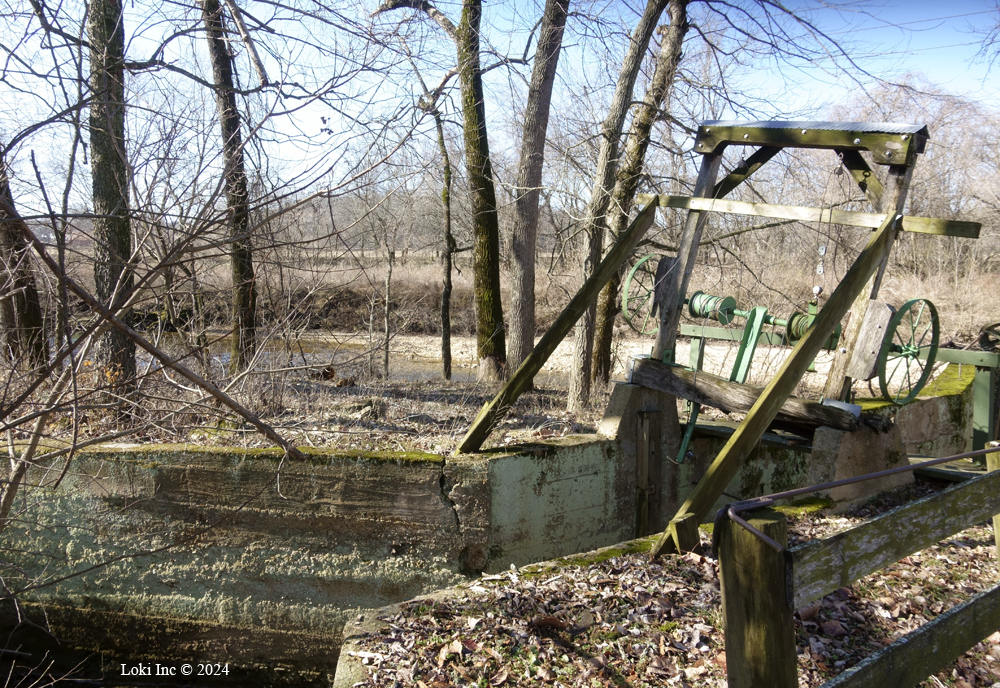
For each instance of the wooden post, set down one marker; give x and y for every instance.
(673, 299)
(759, 631)
(838, 383)
(992, 464)
(647, 473)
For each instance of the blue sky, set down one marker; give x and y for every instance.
(936, 39)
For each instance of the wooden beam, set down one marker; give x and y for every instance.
(491, 413)
(742, 173)
(927, 650)
(711, 390)
(863, 175)
(838, 383)
(677, 282)
(819, 567)
(919, 225)
(764, 410)
(758, 624)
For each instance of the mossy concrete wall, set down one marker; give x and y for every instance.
(221, 553)
(180, 553)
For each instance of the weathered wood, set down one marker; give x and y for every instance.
(647, 472)
(744, 172)
(673, 299)
(759, 630)
(821, 566)
(925, 651)
(864, 360)
(746, 437)
(919, 225)
(993, 464)
(522, 377)
(711, 390)
(838, 384)
(863, 175)
(684, 530)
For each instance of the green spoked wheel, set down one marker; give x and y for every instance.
(902, 373)
(638, 294)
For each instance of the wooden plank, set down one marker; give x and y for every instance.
(927, 650)
(993, 464)
(711, 390)
(838, 383)
(953, 228)
(864, 360)
(863, 175)
(819, 567)
(746, 437)
(742, 173)
(647, 473)
(687, 252)
(920, 225)
(521, 379)
(759, 630)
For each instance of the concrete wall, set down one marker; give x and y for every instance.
(227, 553)
(211, 553)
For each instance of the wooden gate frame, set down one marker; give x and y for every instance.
(893, 145)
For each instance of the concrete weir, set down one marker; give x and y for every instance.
(184, 554)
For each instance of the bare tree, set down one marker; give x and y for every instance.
(20, 310)
(490, 342)
(244, 297)
(529, 179)
(594, 220)
(630, 172)
(110, 172)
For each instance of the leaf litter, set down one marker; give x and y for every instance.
(626, 620)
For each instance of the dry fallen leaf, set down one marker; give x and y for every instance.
(499, 678)
(833, 629)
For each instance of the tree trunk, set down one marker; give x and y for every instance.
(490, 345)
(385, 312)
(244, 298)
(20, 309)
(109, 167)
(594, 219)
(657, 100)
(529, 178)
(447, 252)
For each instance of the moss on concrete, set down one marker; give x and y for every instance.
(140, 453)
(803, 507)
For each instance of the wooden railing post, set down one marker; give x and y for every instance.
(760, 636)
(993, 464)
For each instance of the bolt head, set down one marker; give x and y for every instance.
(857, 142)
(843, 350)
(803, 131)
(746, 136)
(888, 154)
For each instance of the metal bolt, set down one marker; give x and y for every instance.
(904, 137)
(701, 144)
(857, 142)
(843, 350)
(803, 131)
(888, 154)
(746, 136)
(708, 130)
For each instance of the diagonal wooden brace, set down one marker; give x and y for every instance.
(763, 412)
